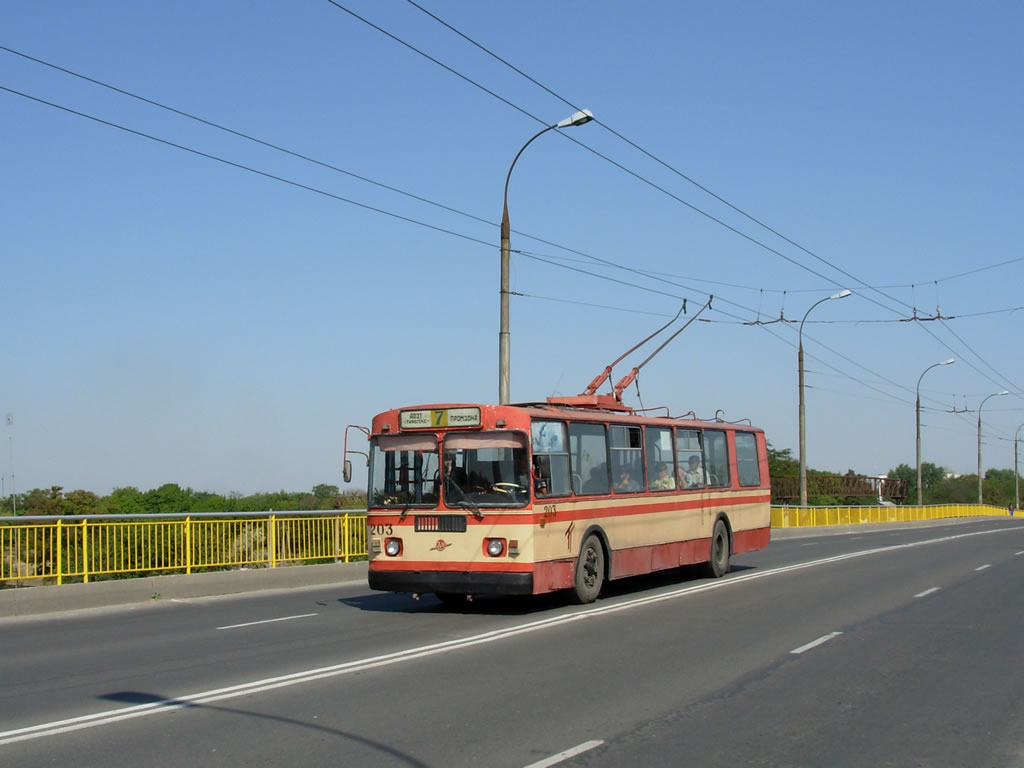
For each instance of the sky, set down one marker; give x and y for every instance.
(182, 304)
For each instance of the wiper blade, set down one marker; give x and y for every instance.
(405, 511)
(472, 508)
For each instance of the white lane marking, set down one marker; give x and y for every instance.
(295, 678)
(816, 643)
(1020, 553)
(927, 592)
(813, 544)
(269, 621)
(555, 759)
(982, 567)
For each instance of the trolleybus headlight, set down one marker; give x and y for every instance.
(495, 547)
(393, 547)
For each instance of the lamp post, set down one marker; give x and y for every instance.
(800, 368)
(1016, 474)
(578, 118)
(917, 407)
(994, 394)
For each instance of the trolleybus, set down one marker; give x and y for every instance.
(468, 499)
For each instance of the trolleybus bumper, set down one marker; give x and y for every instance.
(452, 582)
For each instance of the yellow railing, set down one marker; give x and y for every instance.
(80, 549)
(58, 550)
(802, 517)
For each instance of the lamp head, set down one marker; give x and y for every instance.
(842, 294)
(577, 118)
(947, 362)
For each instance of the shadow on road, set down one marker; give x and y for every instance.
(158, 703)
(521, 605)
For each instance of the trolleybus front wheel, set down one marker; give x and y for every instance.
(718, 565)
(589, 571)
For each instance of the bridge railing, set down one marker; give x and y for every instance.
(801, 517)
(82, 547)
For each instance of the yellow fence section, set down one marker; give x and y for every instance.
(804, 517)
(82, 549)
(78, 550)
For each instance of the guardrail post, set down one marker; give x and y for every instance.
(85, 551)
(188, 544)
(60, 579)
(348, 541)
(273, 541)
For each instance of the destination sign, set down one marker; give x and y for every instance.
(436, 418)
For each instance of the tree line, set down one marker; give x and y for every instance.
(171, 498)
(940, 487)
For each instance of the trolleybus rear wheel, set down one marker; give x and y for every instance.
(589, 571)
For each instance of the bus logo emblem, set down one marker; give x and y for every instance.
(441, 546)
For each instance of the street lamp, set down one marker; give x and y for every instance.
(800, 367)
(1016, 474)
(918, 408)
(994, 394)
(578, 118)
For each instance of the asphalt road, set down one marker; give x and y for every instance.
(898, 647)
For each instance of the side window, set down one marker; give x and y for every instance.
(746, 459)
(550, 458)
(661, 467)
(717, 450)
(690, 457)
(627, 459)
(588, 458)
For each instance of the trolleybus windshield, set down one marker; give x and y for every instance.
(479, 469)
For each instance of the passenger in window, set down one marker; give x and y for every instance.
(627, 481)
(663, 479)
(597, 481)
(694, 475)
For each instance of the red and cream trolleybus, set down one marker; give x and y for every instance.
(469, 499)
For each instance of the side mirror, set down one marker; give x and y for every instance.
(347, 472)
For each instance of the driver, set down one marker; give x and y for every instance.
(455, 479)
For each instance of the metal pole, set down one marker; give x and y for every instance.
(980, 489)
(800, 383)
(1016, 473)
(504, 342)
(918, 411)
(917, 408)
(803, 425)
(10, 440)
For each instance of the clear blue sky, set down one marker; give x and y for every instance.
(171, 318)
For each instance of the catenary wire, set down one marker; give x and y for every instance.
(648, 273)
(340, 198)
(862, 283)
(361, 205)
